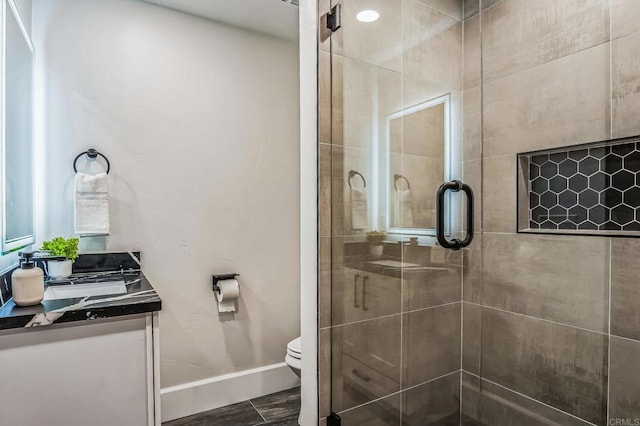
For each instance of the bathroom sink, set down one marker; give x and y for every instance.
(69, 291)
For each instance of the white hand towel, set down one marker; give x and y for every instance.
(359, 210)
(91, 204)
(403, 214)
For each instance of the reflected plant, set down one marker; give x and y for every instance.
(376, 238)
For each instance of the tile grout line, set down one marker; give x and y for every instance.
(399, 392)
(390, 315)
(447, 14)
(464, 178)
(432, 380)
(603, 333)
(528, 397)
(610, 239)
(549, 61)
(257, 411)
(402, 247)
(479, 405)
(481, 10)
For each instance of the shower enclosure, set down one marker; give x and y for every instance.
(479, 199)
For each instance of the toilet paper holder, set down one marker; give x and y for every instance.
(222, 277)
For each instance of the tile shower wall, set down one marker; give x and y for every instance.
(550, 325)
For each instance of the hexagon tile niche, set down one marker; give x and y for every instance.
(588, 189)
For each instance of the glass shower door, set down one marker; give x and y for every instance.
(391, 134)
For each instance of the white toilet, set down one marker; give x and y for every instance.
(294, 356)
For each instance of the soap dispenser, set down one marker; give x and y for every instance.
(27, 282)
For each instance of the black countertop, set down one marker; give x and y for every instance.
(140, 298)
(415, 272)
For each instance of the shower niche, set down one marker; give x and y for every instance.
(591, 189)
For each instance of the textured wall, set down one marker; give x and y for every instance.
(200, 122)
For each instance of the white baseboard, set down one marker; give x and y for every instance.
(196, 397)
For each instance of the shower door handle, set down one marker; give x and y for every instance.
(454, 186)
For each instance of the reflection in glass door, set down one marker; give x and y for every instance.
(391, 134)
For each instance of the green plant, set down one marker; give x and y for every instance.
(376, 238)
(59, 246)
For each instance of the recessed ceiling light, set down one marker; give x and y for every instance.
(367, 16)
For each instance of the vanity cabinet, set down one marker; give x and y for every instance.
(101, 372)
(369, 295)
(369, 365)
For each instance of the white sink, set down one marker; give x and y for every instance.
(69, 291)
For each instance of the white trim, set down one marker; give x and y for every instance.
(309, 210)
(202, 395)
(153, 369)
(157, 413)
(151, 421)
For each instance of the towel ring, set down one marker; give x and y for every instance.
(396, 178)
(91, 153)
(353, 173)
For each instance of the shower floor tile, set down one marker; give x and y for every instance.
(278, 409)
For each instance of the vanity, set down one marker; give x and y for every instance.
(88, 354)
(374, 291)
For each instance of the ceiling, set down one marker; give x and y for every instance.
(278, 18)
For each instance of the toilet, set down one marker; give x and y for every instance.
(294, 355)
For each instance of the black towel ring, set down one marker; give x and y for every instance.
(91, 153)
(353, 173)
(396, 178)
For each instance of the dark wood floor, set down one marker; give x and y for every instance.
(279, 409)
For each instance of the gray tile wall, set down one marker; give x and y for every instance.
(550, 323)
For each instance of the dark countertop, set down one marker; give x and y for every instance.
(411, 273)
(140, 298)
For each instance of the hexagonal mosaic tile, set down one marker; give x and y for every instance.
(595, 189)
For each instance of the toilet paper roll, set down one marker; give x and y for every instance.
(228, 292)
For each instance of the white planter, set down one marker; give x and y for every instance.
(376, 251)
(59, 268)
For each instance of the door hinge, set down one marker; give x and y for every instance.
(333, 420)
(334, 18)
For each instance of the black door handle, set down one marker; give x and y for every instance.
(454, 186)
(365, 280)
(355, 291)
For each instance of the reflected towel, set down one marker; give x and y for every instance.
(359, 210)
(403, 213)
(91, 204)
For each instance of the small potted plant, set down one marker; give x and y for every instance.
(63, 247)
(376, 243)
